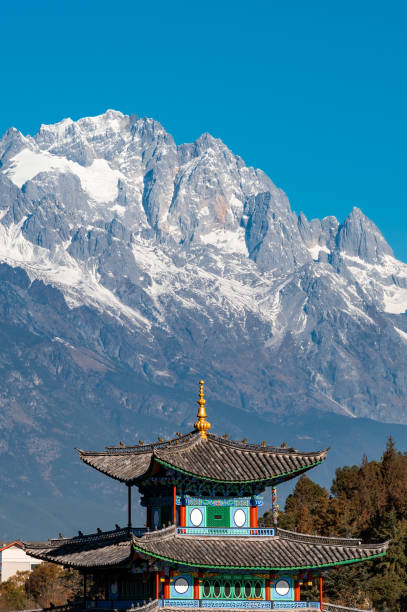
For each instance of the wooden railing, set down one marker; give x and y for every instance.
(226, 531)
(237, 604)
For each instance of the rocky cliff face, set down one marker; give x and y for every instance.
(132, 266)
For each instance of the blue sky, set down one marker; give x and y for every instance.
(314, 93)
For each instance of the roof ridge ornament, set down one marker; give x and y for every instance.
(202, 425)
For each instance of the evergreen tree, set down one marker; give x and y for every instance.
(367, 502)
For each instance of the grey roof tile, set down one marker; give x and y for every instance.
(283, 551)
(214, 458)
(286, 550)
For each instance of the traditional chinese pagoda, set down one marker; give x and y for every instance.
(201, 545)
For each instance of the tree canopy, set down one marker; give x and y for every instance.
(47, 583)
(368, 501)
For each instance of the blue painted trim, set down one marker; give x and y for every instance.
(238, 502)
(179, 603)
(236, 604)
(226, 531)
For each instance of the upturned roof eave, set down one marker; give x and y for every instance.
(128, 481)
(106, 550)
(267, 568)
(82, 566)
(46, 556)
(209, 551)
(270, 479)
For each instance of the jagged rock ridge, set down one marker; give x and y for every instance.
(133, 266)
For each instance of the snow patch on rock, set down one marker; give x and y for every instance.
(230, 241)
(316, 250)
(99, 180)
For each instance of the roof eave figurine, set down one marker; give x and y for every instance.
(202, 425)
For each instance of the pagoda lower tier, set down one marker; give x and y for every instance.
(259, 571)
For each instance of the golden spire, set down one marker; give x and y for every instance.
(202, 425)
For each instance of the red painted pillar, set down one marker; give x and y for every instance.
(196, 588)
(320, 592)
(297, 591)
(268, 590)
(157, 584)
(148, 517)
(196, 584)
(167, 588)
(174, 504)
(253, 516)
(182, 516)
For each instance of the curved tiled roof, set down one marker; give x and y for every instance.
(316, 539)
(112, 548)
(285, 551)
(215, 459)
(280, 552)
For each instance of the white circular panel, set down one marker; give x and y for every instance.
(196, 517)
(282, 588)
(181, 585)
(239, 518)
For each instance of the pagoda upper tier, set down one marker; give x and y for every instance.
(210, 458)
(203, 457)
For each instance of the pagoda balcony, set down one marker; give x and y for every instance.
(210, 531)
(226, 531)
(241, 604)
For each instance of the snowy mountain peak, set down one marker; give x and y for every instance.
(11, 143)
(197, 193)
(174, 248)
(110, 120)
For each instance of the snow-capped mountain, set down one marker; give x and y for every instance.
(132, 266)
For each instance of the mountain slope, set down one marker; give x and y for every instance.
(132, 266)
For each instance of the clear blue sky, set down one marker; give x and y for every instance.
(312, 92)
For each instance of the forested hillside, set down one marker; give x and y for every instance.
(369, 502)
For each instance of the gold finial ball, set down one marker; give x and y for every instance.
(202, 425)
